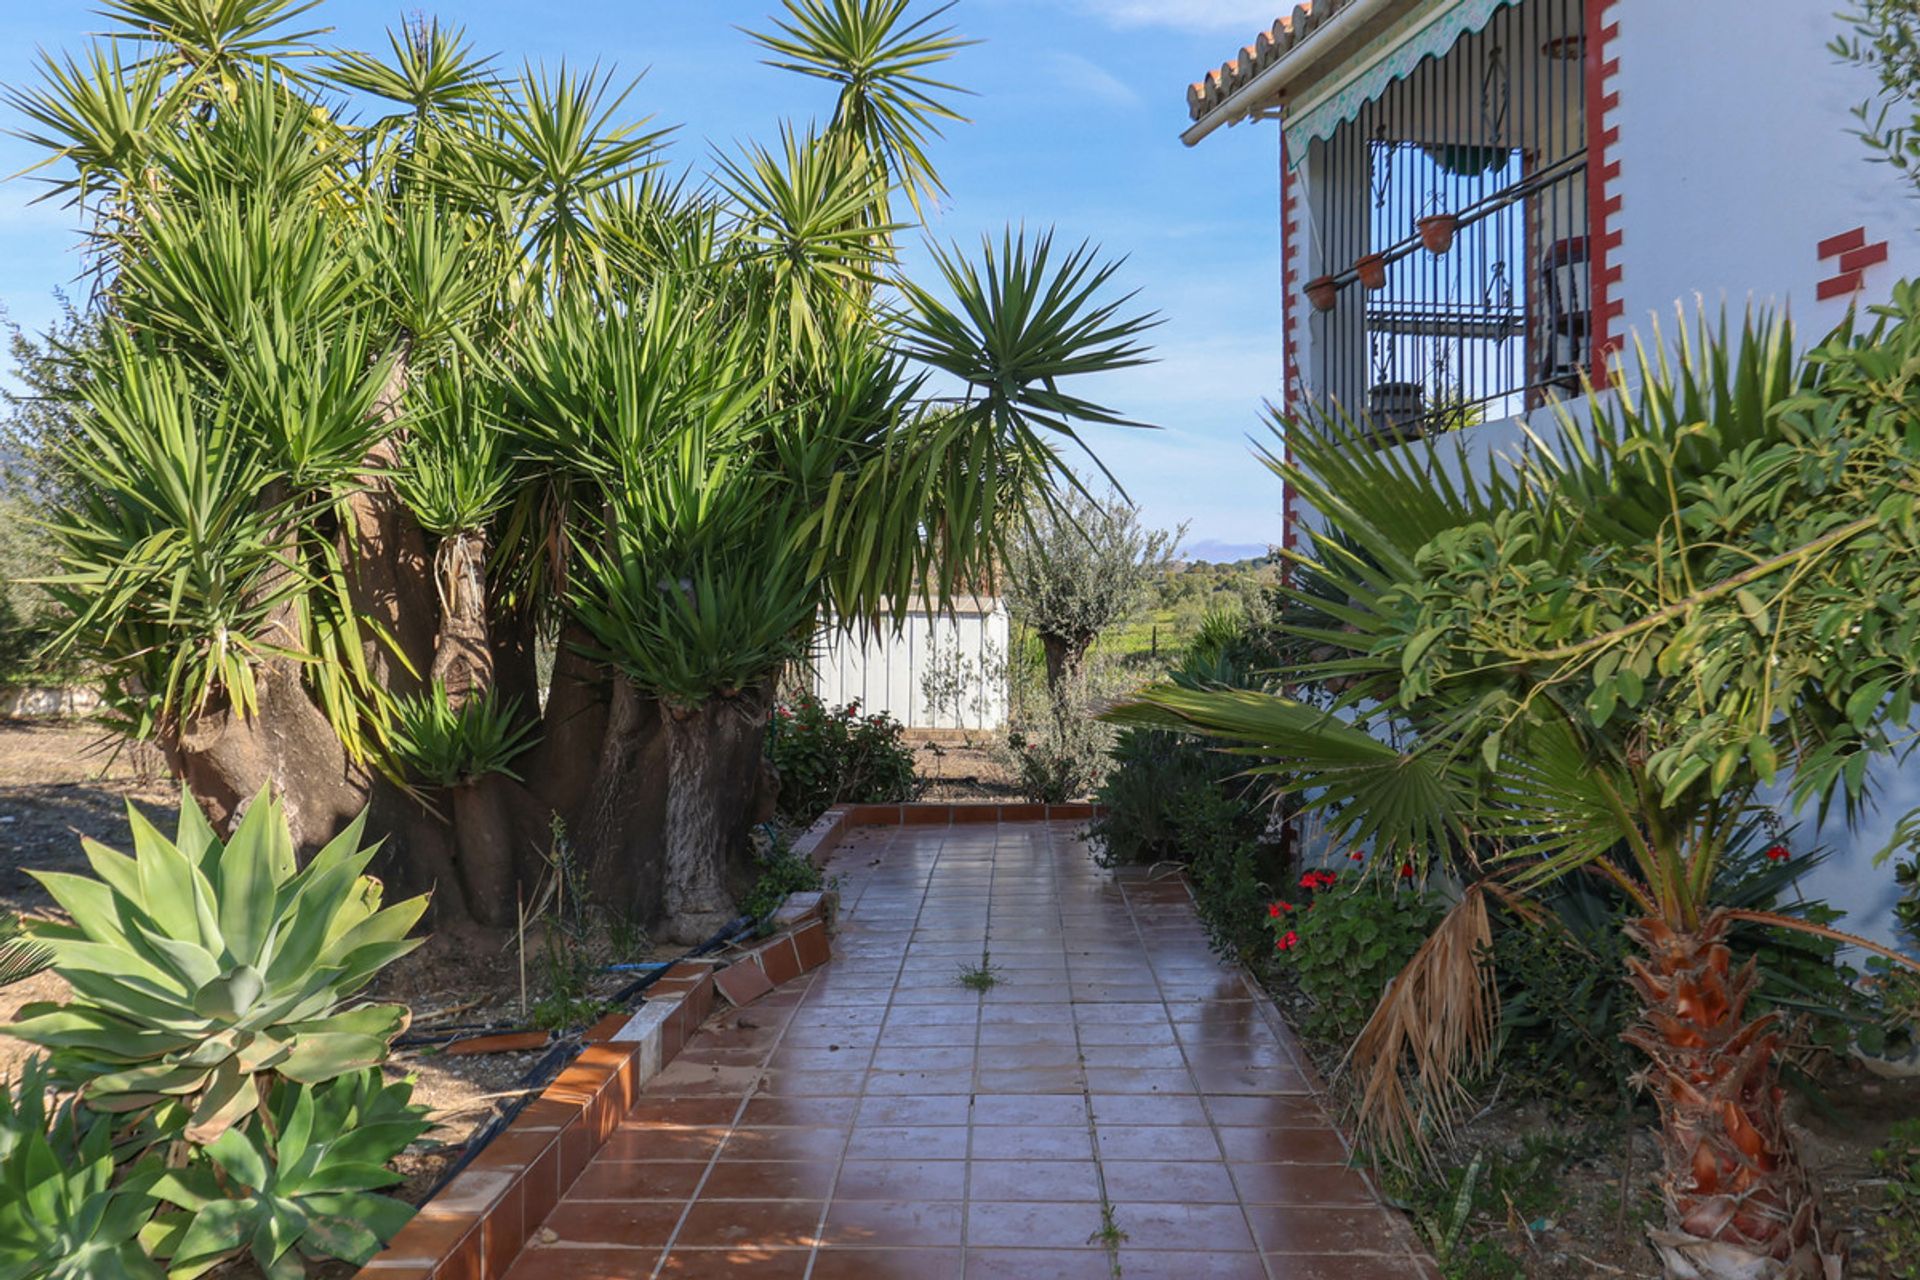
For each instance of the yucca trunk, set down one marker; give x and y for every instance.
(714, 796)
(1738, 1203)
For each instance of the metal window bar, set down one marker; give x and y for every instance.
(1489, 318)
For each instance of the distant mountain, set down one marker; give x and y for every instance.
(1213, 551)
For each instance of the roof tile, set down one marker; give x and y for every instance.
(1208, 94)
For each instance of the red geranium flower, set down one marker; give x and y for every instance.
(1406, 871)
(1357, 856)
(1778, 853)
(1287, 942)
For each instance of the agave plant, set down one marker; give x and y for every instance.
(202, 970)
(1594, 663)
(306, 1188)
(64, 1214)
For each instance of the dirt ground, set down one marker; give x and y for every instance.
(962, 771)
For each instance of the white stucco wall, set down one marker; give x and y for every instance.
(1736, 160)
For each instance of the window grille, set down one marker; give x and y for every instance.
(1449, 222)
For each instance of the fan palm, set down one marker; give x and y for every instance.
(1593, 662)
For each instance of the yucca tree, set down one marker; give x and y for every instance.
(385, 407)
(1595, 661)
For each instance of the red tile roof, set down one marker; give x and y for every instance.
(1208, 94)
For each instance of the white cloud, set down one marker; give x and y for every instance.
(1088, 79)
(1199, 16)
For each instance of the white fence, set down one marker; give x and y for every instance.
(938, 671)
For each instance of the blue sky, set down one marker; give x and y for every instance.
(1076, 123)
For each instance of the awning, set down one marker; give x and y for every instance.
(1390, 57)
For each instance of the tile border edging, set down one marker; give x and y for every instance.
(825, 835)
(479, 1222)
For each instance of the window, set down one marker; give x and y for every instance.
(1448, 225)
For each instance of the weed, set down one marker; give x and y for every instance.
(1898, 1162)
(980, 977)
(1109, 1237)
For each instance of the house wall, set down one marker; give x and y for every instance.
(1736, 162)
(1739, 182)
(886, 671)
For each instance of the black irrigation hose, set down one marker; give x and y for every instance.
(563, 1051)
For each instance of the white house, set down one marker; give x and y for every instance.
(943, 671)
(1483, 199)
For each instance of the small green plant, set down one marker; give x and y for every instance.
(980, 977)
(1347, 937)
(563, 913)
(1110, 1236)
(205, 1093)
(782, 871)
(446, 746)
(1898, 1239)
(201, 972)
(306, 1188)
(828, 756)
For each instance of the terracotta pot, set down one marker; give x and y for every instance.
(1372, 271)
(1321, 292)
(1436, 232)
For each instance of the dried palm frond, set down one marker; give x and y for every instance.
(20, 956)
(1435, 1023)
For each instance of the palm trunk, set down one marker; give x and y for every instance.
(1738, 1203)
(715, 793)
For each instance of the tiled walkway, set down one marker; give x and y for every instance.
(879, 1119)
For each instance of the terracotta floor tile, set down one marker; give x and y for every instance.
(661, 1142)
(894, 1223)
(1147, 1264)
(767, 1224)
(1025, 1033)
(1283, 1146)
(807, 1113)
(909, 1142)
(1013, 1108)
(818, 1145)
(1220, 1227)
(1033, 1180)
(782, 1082)
(1277, 1111)
(1169, 1181)
(1030, 1224)
(1015, 1056)
(539, 1263)
(724, 1264)
(1148, 1109)
(684, 1111)
(1039, 1264)
(937, 1035)
(639, 1180)
(632, 1223)
(920, 1083)
(1301, 1184)
(901, 1180)
(1031, 1080)
(1157, 1142)
(887, 1264)
(769, 1180)
(1031, 1142)
(923, 1058)
(946, 1110)
(1296, 1229)
(1138, 1080)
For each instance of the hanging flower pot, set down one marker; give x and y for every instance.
(1372, 271)
(1436, 232)
(1321, 292)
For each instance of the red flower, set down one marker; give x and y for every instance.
(1357, 856)
(1406, 871)
(1287, 942)
(1276, 909)
(1778, 853)
(1319, 880)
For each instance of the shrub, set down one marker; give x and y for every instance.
(1231, 866)
(1898, 1241)
(1345, 935)
(205, 1061)
(827, 757)
(782, 871)
(1061, 760)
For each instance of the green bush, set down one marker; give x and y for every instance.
(1062, 760)
(782, 871)
(1898, 1240)
(827, 757)
(1345, 935)
(205, 1060)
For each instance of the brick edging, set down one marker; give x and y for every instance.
(478, 1223)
